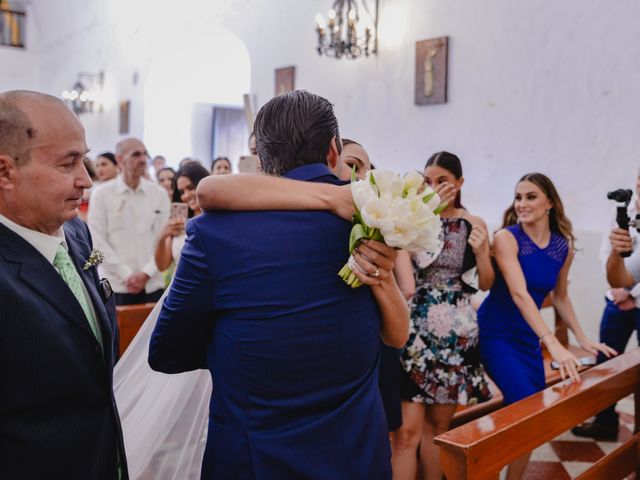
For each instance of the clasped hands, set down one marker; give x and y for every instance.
(136, 282)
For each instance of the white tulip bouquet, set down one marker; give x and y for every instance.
(394, 210)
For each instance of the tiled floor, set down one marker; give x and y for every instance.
(567, 456)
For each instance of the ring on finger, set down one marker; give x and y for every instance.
(375, 274)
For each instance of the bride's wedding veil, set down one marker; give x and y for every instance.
(164, 417)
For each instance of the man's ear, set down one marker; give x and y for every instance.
(7, 172)
(332, 155)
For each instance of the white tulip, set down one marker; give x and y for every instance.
(362, 192)
(412, 182)
(375, 213)
(429, 237)
(387, 182)
(400, 208)
(402, 233)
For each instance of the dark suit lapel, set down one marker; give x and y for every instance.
(39, 274)
(79, 252)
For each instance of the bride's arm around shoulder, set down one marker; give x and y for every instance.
(375, 263)
(263, 192)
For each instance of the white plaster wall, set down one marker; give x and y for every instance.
(135, 43)
(536, 85)
(533, 86)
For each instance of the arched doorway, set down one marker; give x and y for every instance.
(206, 69)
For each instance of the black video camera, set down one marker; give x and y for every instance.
(622, 217)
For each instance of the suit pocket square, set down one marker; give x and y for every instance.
(105, 290)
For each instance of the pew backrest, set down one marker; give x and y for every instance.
(479, 449)
(130, 318)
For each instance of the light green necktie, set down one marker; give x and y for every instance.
(70, 275)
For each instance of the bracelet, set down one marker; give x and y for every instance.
(543, 335)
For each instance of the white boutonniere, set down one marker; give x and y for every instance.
(96, 257)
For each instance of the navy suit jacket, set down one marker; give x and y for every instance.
(292, 349)
(58, 417)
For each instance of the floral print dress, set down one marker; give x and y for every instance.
(442, 357)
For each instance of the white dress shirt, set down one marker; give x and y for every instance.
(125, 225)
(47, 245)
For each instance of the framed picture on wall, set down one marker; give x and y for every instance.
(285, 79)
(125, 106)
(431, 71)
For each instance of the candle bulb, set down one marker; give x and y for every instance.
(332, 17)
(352, 17)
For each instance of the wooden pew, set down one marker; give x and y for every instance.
(130, 318)
(479, 449)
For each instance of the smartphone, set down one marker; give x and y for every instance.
(248, 164)
(179, 210)
(584, 361)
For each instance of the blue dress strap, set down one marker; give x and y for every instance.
(525, 245)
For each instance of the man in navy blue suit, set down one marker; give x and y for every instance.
(58, 417)
(292, 349)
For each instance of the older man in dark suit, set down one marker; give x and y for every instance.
(58, 418)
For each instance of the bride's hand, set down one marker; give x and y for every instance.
(374, 262)
(342, 202)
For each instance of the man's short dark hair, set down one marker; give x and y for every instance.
(295, 129)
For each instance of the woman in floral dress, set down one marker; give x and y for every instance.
(441, 359)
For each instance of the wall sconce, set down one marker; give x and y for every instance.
(351, 29)
(84, 97)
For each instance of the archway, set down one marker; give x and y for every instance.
(206, 68)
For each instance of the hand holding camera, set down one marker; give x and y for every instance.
(621, 243)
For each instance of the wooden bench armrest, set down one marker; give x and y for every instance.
(480, 448)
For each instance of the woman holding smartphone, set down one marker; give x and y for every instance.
(533, 251)
(172, 236)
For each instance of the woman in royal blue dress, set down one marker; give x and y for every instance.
(533, 252)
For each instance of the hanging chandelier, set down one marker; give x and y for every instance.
(351, 29)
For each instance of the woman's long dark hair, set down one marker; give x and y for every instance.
(194, 172)
(451, 163)
(558, 221)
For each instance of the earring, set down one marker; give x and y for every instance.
(548, 211)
